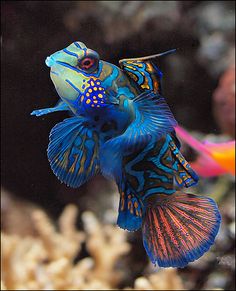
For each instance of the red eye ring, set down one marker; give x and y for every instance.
(87, 63)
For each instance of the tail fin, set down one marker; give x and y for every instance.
(179, 228)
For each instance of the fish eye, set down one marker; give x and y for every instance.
(89, 62)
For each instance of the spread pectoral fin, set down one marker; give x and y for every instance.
(73, 152)
(152, 119)
(60, 106)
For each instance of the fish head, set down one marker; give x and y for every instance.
(76, 74)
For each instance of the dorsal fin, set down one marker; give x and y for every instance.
(147, 57)
(143, 72)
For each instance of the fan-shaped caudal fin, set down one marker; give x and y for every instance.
(179, 228)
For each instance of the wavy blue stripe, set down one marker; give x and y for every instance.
(158, 190)
(78, 46)
(68, 66)
(147, 75)
(139, 175)
(125, 91)
(55, 73)
(136, 73)
(72, 85)
(108, 81)
(70, 53)
(75, 69)
(162, 178)
(157, 159)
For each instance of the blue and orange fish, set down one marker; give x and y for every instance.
(122, 127)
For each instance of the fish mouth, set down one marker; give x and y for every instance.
(50, 61)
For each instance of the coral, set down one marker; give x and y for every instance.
(106, 247)
(162, 280)
(42, 262)
(14, 211)
(47, 261)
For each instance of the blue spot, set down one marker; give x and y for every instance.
(78, 141)
(89, 134)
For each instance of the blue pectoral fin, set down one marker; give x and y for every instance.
(73, 152)
(61, 106)
(153, 119)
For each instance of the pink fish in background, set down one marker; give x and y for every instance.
(214, 158)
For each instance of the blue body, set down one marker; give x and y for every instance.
(123, 128)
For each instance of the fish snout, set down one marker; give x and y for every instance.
(50, 61)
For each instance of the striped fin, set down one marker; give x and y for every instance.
(143, 72)
(73, 152)
(130, 209)
(184, 174)
(152, 119)
(179, 228)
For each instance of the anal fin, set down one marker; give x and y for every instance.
(130, 211)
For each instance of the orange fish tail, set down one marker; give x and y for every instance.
(179, 228)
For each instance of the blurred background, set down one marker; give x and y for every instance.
(198, 84)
